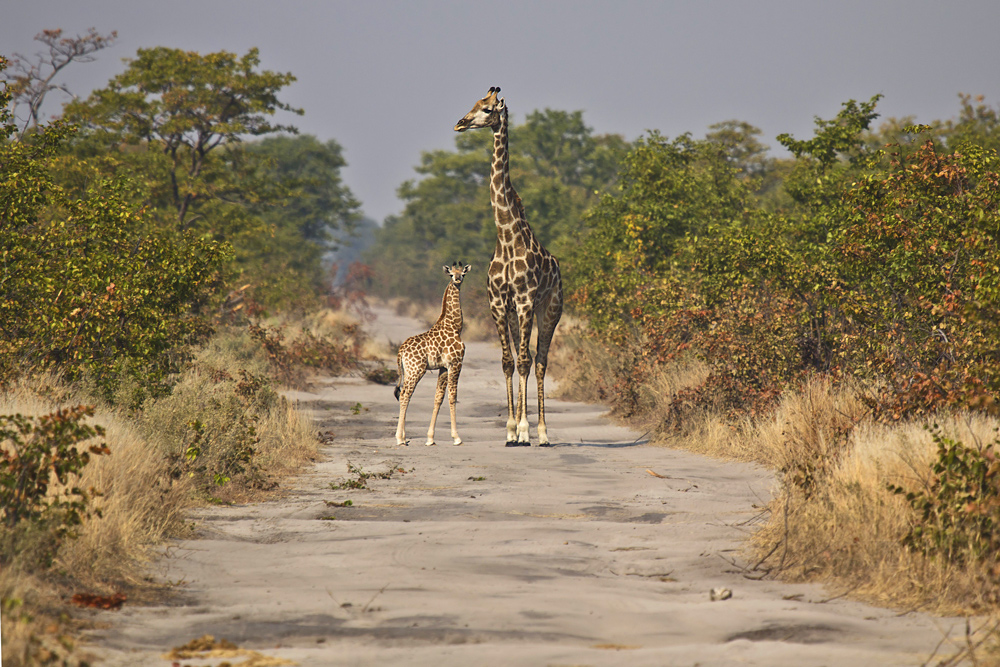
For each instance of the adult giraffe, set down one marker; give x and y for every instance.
(523, 280)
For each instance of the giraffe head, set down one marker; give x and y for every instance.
(485, 113)
(457, 272)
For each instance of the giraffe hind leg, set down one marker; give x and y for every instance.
(548, 318)
(411, 378)
(500, 318)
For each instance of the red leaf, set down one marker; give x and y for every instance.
(99, 601)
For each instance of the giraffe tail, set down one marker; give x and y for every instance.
(399, 377)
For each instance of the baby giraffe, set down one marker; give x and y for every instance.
(441, 347)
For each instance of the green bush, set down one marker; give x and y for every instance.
(881, 268)
(957, 512)
(84, 289)
(40, 457)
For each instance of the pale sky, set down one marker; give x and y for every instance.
(388, 80)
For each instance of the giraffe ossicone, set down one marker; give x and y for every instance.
(523, 282)
(441, 348)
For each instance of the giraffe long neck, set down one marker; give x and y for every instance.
(507, 208)
(451, 309)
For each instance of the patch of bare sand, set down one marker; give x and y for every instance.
(487, 555)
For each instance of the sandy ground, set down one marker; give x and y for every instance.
(487, 555)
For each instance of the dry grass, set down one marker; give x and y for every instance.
(330, 323)
(35, 628)
(140, 504)
(580, 366)
(834, 518)
(587, 371)
(246, 431)
(847, 527)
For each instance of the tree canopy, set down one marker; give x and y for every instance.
(188, 107)
(196, 135)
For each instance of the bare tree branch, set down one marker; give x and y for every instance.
(29, 81)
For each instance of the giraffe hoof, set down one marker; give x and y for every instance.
(514, 443)
(545, 444)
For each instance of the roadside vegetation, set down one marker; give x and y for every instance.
(832, 316)
(162, 278)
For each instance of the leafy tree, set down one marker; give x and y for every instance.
(176, 122)
(828, 162)
(314, 210)
(738, 140)
(918, 258)
(189, 108)
(883, 267)
(668, 192)
(977, 124)
(322, 208)
(84, 288)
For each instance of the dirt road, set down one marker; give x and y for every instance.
(486, 555)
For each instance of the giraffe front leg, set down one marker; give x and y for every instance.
(500, 319)
(508, 371)
(453, 373)
(523, 370)
(401, 425)
(442, 384)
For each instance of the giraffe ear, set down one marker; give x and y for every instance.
(466, 269)
(447, 269)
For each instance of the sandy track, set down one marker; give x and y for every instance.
(486, 555)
